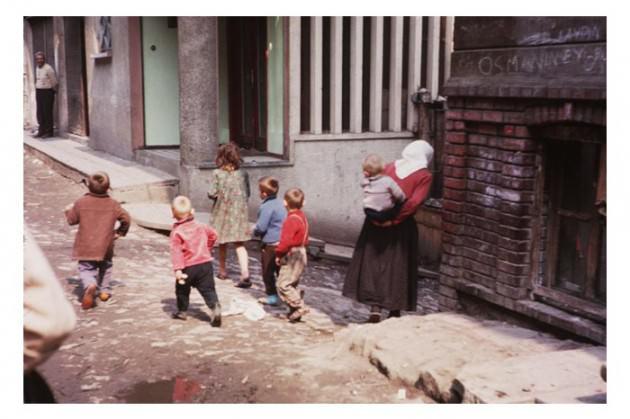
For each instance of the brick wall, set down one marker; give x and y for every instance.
(495, 206)
(516, 84)
(490, 168)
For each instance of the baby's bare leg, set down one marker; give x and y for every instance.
(241, 254)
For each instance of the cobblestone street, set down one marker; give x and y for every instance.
(130, 350)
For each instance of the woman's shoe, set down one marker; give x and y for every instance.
(393, 313)
(375, 314)
(374, 318)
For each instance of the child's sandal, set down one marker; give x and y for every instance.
(244, 283)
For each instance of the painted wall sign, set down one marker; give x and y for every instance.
(554, 61)
(492, 32)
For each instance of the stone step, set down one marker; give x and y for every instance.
(572, 395)
(164, 160)
(430, 351)
(569, 376)
(130, 181)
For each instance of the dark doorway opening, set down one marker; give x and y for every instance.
(76, 76)
(247, 67)
(575, 201)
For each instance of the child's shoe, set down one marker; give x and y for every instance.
(270, 300)
(179, 315)
(296, 315)
(215, 315)
(104, 296)
(244, 283)
(88, 297)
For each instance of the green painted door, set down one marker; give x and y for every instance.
(161, 81)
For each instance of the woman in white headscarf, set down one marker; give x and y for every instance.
(384, 268)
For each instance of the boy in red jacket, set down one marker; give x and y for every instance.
(191, 254)
(291, 254)
(96, 214)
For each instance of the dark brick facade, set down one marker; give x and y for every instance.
(494, 204)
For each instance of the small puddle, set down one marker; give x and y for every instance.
(176, 390)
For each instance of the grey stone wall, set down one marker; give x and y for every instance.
(28, 77)
(327, 171)
(108, 87)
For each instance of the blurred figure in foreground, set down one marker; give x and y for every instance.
(48, 319)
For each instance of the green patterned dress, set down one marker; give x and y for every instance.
(229, 211)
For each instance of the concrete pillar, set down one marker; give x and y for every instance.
(356, 71)
(336, 75)
(316, 74)
(294, 75)
(395, 73)
(30, 106)
(198, 42)
(61, 98)
(376, 74)
(433, 56)
(415, 68)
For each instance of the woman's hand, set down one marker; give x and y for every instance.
(388, 223)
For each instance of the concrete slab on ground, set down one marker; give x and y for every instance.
(570, 376)
(429, 352)
(130, 181)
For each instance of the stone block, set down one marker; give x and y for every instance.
(526, 378)
(428, 352)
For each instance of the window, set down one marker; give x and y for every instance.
(576, 232)
(357, 74)
(251, 83)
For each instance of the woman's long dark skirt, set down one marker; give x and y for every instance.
(384, 266)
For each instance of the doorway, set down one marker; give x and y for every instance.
(575, 190)
(161, 82)
(247, 69)
(76, 76)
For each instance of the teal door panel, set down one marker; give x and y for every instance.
(161, 81)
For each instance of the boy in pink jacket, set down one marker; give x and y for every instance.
(191, 254)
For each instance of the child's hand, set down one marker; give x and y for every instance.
(277, 261)
(69, 207)
(180, 277)
(117, 235)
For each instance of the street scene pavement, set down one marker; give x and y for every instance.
(129, 350)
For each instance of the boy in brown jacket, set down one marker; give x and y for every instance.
(96, 213)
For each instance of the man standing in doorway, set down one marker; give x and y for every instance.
(45, 88)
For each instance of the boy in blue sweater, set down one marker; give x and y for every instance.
(271, 215)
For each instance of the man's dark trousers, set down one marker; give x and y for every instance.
(45, 99)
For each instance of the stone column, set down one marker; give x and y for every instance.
(198, 42)
(60, 112)
(198, 89)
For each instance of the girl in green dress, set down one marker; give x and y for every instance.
(229, 189)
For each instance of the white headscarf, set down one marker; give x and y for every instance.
(417, 155)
